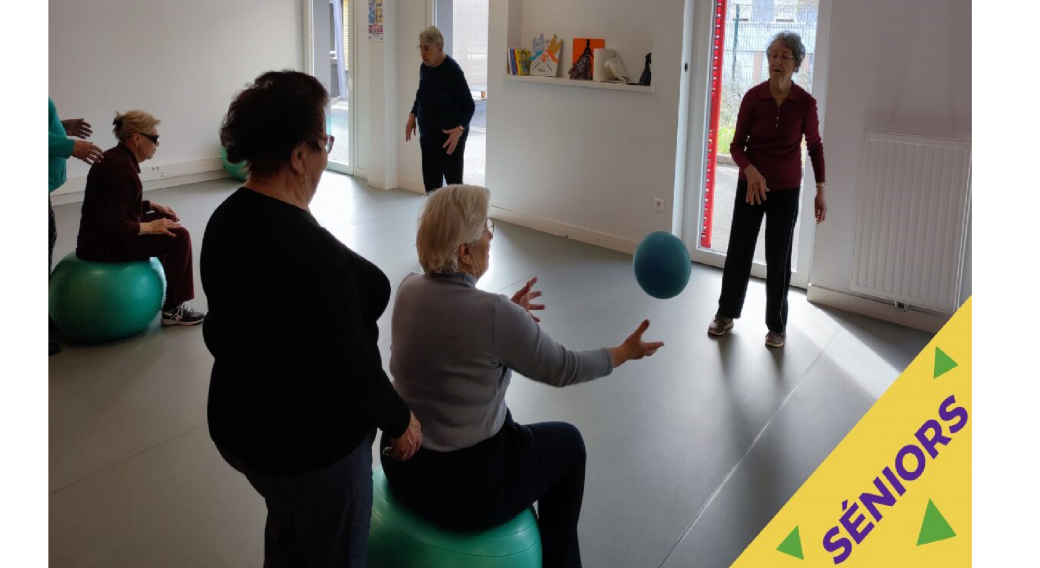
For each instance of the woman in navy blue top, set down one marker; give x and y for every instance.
(443, 108)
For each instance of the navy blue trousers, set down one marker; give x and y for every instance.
(437, 166)
(319, 519)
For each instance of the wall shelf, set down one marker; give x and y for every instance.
(567, 82)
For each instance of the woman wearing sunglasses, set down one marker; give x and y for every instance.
(118, 224)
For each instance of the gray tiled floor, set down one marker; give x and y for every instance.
(691, 452)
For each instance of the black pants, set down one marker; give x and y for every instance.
(437, 165)
(487, 484)
(174, 253)
(318, 519)
(781, 212)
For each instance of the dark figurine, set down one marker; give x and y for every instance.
(583, 67)
(644, 79)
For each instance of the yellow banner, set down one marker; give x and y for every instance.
(897, 490)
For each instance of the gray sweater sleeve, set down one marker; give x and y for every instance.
(525, 348)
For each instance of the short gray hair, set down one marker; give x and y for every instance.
(452, 216)
(791, 41)
(431, 36)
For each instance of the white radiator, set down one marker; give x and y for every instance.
(912, 209)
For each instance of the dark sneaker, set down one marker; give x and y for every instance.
(775, 340)
(720, 325)
(183, 315)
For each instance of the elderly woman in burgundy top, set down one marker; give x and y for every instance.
(117, 224)
(766, 145)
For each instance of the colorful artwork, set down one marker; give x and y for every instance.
(545, 60)
(518, 61)
(581, 56)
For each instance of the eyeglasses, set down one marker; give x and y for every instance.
(489, 226)
(153, 137)
(327, 142)
(774, 55)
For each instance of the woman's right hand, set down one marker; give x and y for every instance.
(634, 347)
(159, 227)
(87, 151)
(756, 186)
(404, 447)
(409, 127)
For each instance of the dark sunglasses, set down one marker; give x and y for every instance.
(153, 137)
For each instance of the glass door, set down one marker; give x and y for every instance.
(741, 31)
(464, 24)
(329, 49)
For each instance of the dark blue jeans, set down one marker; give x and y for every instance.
(319, 519)
(781, 212)
(486, 485)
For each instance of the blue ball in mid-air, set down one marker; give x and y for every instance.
(662, 265)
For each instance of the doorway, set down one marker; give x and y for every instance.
(464, 24)
(739, 33)
(331, 51)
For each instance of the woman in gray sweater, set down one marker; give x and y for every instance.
(453, 350)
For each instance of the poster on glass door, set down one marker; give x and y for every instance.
(375, 20)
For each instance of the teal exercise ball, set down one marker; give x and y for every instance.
(103, 301)
(238, 170)
(662, 265)
(401, 539)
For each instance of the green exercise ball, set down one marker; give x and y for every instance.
(401, 539)
(102, 301)
(238, 170)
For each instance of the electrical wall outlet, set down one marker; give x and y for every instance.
(658, 204)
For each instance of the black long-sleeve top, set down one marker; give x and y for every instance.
(113, 206)
(297, 378)
(443, 100)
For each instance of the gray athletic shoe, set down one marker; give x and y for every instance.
(720, 325)
(775, 340)
(183, 315)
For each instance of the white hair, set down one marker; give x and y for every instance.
(431, 36)
(452, 216)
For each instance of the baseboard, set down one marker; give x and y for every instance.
(877, 309)
(152, 177)
(413, 186)
(559, 229)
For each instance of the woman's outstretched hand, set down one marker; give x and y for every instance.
(524, 296)
(634, 347)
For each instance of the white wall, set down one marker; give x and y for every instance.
(895, 66)
(412, 17)
(182, 61)
(602, 155)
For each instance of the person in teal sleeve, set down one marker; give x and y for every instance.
(63, 145)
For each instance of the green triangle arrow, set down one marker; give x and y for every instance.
(792, 545)
(943, 363)
(934, 528)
